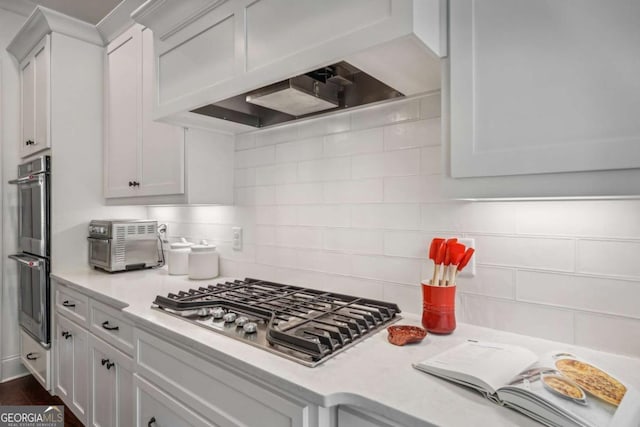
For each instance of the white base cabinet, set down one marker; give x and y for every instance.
(71, 380)
(111, 378)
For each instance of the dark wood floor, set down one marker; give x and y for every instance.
(28, 391)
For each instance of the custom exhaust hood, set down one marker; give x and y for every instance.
(334, 87)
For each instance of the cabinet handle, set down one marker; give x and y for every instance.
(136, 184)
(130, 183)
(30, 356)
(68, 304)
(29, 142)
(106, 362)
(66, 335)
(151, 422)
(105, 325)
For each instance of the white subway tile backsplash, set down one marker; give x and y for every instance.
(543, 253)
(325, 215)
(255, 157)
(609, 258)
(580, 292)
(334, 169)
(519, 317)
(494, 282)
(349, 203)
(350, 143)
(431, 160)
(363, 191)
(608, 333)
(286, 173)
(299, 193)
(388, 269)
(354, 241)
(299, 150)
(299, 237)
(412, 134)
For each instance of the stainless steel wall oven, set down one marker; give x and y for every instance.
(34, 211)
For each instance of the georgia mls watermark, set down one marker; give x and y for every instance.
(32, 416)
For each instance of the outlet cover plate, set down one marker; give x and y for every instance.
(237, 238)
(470, 269)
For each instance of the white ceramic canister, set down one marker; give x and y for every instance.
(178, 257)
(203, 261)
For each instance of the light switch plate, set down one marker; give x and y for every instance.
(470, 269)
(237, 238)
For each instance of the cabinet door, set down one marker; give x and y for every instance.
(543, 86)
(71, 373)
(111, 386)
(162, 151)
(157, 409)
(122, 114)
(35, 92)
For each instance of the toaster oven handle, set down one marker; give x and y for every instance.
(28, 261)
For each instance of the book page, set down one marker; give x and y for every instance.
(489, 365)
(563, 383)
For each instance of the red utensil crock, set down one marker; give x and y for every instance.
(438, 308)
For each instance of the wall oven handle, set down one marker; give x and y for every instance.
(28, 179)
(32, 356)
(28, 261)
(106, 325)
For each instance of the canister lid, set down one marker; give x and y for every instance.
(182, 244)
(204, 246)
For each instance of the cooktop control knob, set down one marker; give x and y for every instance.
(203, 312)
(229, 317)
(217, 313)
(250, 327)
(241, 321)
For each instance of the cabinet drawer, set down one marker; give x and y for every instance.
(214, 390)
(72, 304)
(108, 324)
(157, 409)
(35, 358)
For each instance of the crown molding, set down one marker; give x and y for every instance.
(43, 21)
(118, 20)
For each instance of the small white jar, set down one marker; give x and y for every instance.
(203, 261)
(178, 257)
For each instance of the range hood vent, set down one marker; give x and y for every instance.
(330, 88)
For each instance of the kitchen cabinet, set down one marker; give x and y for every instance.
(148, 161)
(208, 51)
(111, 379)
(544, 93)
(218, 392)
(142, 157)
(352, 417)
(34, 97)
(71, 357)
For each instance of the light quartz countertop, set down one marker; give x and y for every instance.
(372, 375)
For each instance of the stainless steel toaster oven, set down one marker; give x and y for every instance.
(119, 245)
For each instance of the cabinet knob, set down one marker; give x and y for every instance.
(130, 183)
(151, 422)
(136, 184)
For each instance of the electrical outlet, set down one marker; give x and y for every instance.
(237, 238)
(470, 269)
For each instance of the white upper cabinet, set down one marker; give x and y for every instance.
(150, 162)
(209, 50)
(540, 87)
(142, 157)
(34, 97)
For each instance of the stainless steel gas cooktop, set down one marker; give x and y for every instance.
(304, 325)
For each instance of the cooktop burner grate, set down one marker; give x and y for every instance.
(305, 325)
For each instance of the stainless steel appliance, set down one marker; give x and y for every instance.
(124, 244)
(33, 263)
(305, 325)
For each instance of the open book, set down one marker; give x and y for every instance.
(557, 389)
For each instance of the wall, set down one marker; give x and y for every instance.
(349, 203)
(9, 135)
